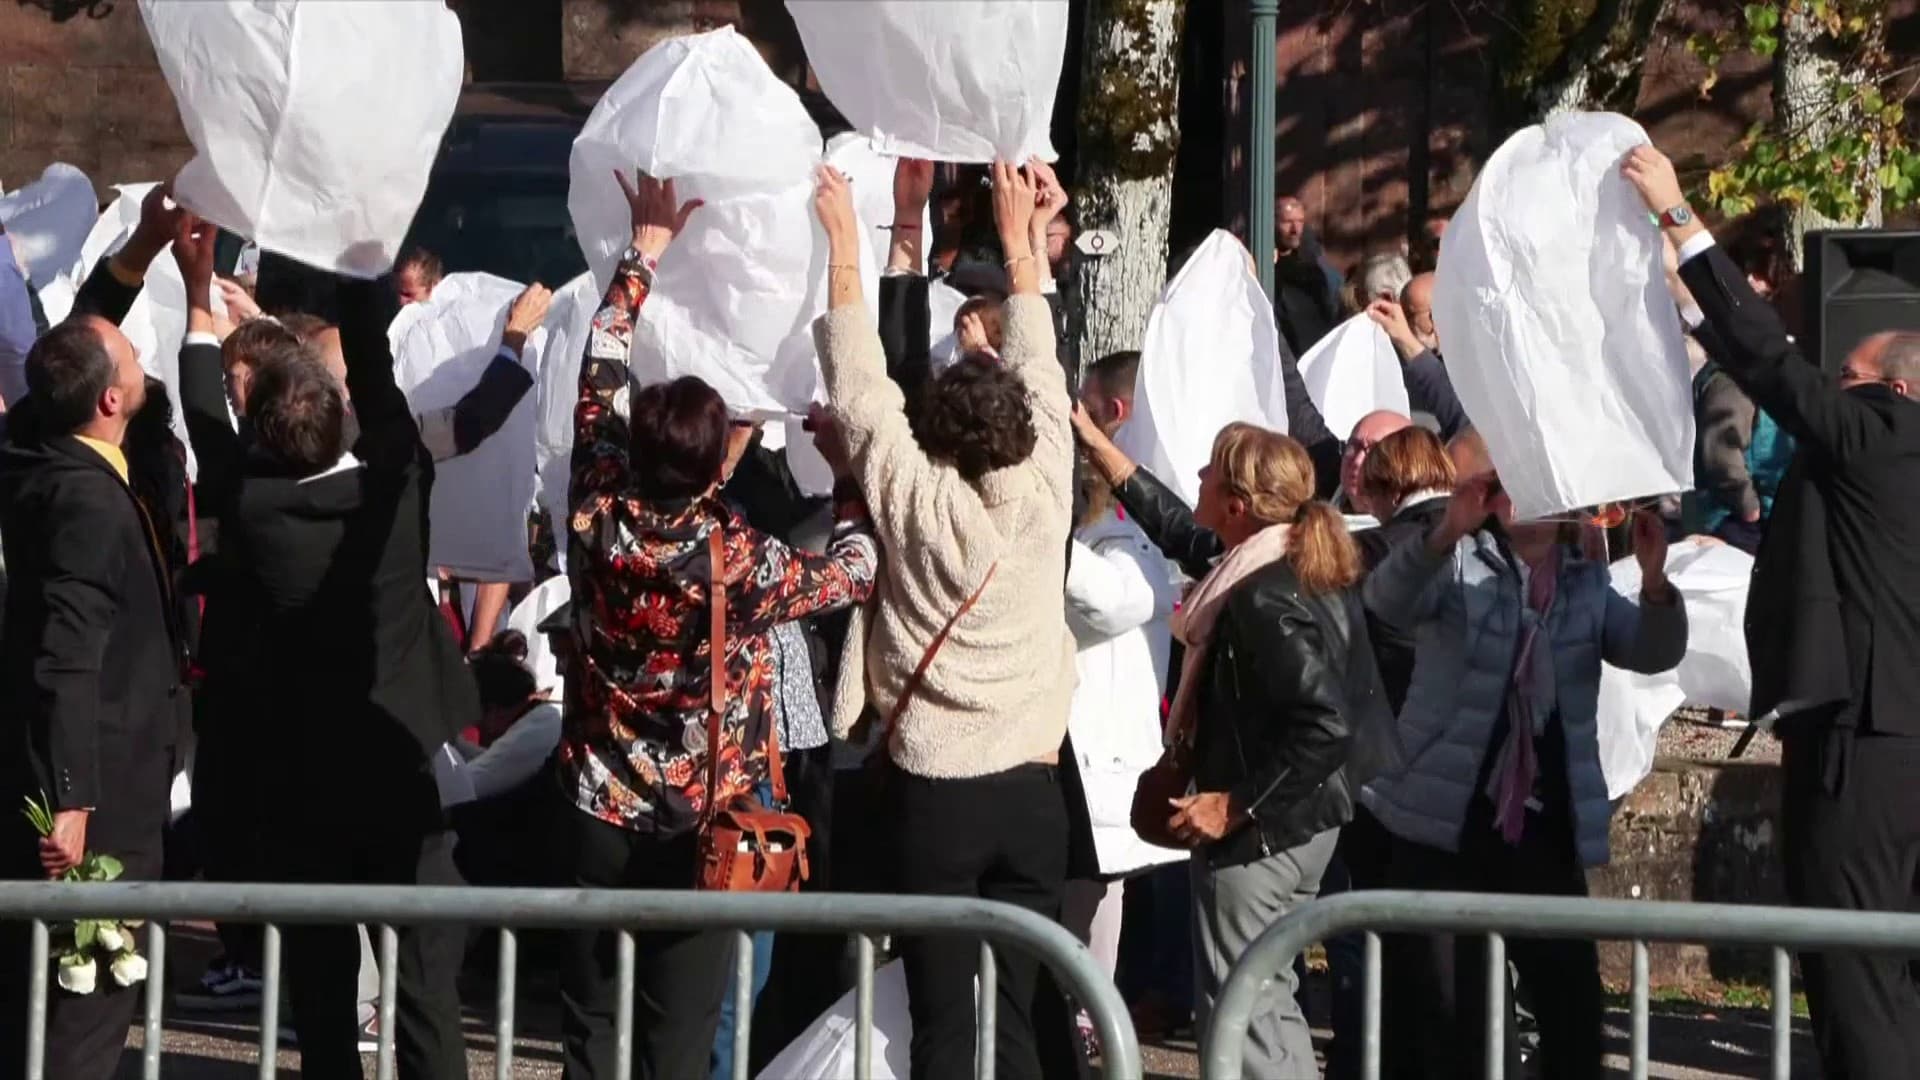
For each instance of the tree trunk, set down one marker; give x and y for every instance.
(1571, 55)
(1806, 101)
(1129, 137)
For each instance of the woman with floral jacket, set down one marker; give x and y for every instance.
(633, 758)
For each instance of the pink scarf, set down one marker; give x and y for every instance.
(1514, 772)
(1193, 624)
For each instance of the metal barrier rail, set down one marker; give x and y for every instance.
(1223, 1046)
(858, 916)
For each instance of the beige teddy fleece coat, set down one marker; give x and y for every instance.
(998, 692)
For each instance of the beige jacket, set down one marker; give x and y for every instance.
(997, 694)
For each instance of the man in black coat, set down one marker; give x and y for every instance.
(353, 674)
(90, 671)
(1833, 630)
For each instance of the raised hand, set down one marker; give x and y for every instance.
(529, 309)
(1474, 499)
(1651, 174)
(1650, 550)
(1050, 198)
(193, 242)
(1015, 195)
(657, 212)
(159, 219)
(833, 205)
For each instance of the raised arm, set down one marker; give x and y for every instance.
(1022, 197)
(1160, 513)
(203, 391)
(388, 435)
(458, 428)
(600, 467)
(1807, 402)
(116, 280)
(1406, 588)
(905, 320)
(1309, 428)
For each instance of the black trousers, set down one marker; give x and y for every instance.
(1000, 837)
(1435, 997)
(1851, 840)
(85, 1034)
(226, 822)
(678, 977)
(323, 962)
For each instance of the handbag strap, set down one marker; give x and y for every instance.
(717, 683)
(926, 659)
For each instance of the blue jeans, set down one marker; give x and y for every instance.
(762, 964)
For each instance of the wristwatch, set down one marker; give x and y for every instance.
(1676, 217)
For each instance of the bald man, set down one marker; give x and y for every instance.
(1833, 627)
(1369, 430)
(1409, 325)
(93, 656)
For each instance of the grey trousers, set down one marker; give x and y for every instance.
(1232, 905)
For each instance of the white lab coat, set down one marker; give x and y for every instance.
(1119, 598)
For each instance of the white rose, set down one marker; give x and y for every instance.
(77, 974)
(109, 937)
(129, 968)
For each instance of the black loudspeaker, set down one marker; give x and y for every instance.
(1858, 282)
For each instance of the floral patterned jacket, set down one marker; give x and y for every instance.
(633, 751)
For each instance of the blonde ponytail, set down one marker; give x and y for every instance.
(1320, 550)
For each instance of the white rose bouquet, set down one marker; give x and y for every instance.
(78, 972)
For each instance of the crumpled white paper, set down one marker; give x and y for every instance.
(1353, 371)
(736, 294)
(569, 321)
(156, 323)
(943, 303)
(49, 220)
(1211, 357)
(1713, 580)
(958, 80)
(316, 122)
(480, 499)
(1562, 339)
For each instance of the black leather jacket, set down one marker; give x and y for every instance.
(1293, 718)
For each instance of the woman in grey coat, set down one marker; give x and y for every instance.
(1501, 789)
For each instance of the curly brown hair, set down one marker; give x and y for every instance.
(975, 416)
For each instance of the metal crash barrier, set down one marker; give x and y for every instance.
(1803, 929)
(860, 917)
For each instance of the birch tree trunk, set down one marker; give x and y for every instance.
(1129, 137)
(1808, 101)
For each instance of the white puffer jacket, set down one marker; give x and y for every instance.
(1119, 597)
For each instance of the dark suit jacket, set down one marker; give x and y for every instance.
(345, 654)
(91, 662)
(1833, 617)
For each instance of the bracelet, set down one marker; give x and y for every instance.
(899, 228)
(851, 268)
(1017, 260)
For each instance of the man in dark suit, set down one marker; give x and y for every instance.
(350, 669)
(92, 661)
(1833, 629)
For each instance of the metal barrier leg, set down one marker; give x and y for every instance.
(623, 1017)
(156, 1000)
(1782, 1015)
(1497, 987)
(863, 1007)
(503, 1005)
(1370, 1011)
(987, 1011)
(40, 959)
(742, 1001)
(389, 995)
(269, 1001)
(1641, 981)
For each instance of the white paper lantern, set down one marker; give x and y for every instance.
(957, 80)
(1353, 371)
(1560, 334)
(1211, 357)
(316, 122)
(49, 220)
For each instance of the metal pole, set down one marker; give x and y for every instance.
(1266, 19)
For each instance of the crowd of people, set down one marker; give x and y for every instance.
(1000, 660)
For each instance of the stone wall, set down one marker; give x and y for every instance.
(1695, 831)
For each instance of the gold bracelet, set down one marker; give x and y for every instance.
(852, 268)
(1017, 260)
